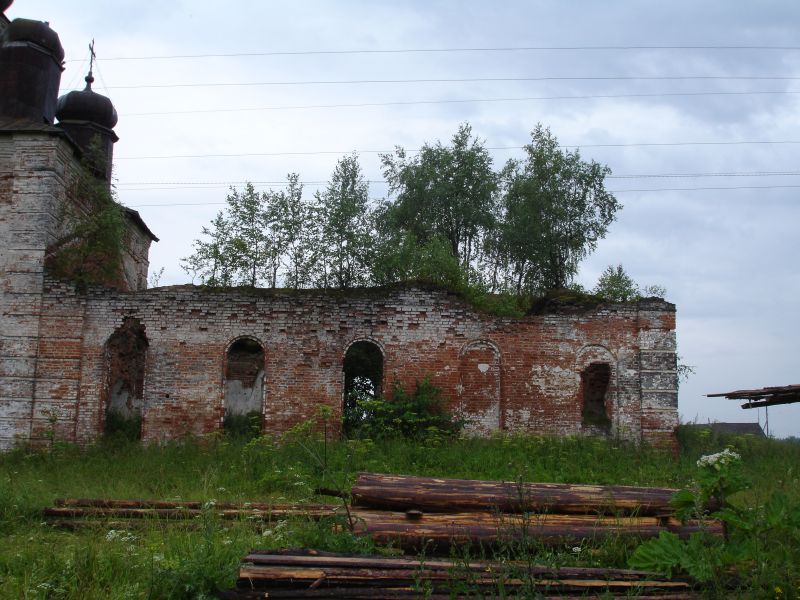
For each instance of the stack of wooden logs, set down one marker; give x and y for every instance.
(433, 513)
(416, 512)
(313, 574)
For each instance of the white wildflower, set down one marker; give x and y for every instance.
(718, 460)
(576, 549)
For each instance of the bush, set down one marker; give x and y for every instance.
(245, 426)
(413, 416)
(123, 426)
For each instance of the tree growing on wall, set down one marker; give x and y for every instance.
(616, 285)
(450, 219)
(444, 191)
(556, 209)
(345, 230)
(90, 248)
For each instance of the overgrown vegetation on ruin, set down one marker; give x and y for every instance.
(175, 561)
(499, 236)
(91, 243)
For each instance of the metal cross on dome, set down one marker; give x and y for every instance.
(92, 57)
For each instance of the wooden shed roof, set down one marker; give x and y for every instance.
(768, 396)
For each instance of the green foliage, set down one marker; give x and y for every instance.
(761, 547)
(402, 257)
(444, 191)
(89, 251)
(247, 426)
(344, 244)
(193, 560)
(258, 237)
(415, 416)
(123, 426)
(556, 209)
(453, 221)
(616, 285)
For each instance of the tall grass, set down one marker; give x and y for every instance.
(193, 560)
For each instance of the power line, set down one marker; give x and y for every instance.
(595, 48)
(342, 152)
(460, 80)
(460, 101)
(383, 181)
(643, 190)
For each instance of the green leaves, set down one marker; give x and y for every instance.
(556, 209)
(419, 415)
(453, 221)
(90, 251)
(663, 555)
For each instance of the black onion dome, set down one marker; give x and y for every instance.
(36, 32)
(87, 105)
(4, 4)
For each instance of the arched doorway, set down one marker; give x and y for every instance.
(595, 409)
(363, 379)
(125, 355)
(244, 388)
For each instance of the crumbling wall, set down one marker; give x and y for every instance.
(509, 374)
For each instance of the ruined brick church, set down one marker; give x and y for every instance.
(184, 357)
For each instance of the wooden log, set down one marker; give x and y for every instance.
(413, 593)
(315, 511)
(443, 530)
(305, 572)
(334, 559)
(443, 495)
(177, 504)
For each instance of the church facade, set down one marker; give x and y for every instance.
(183, 358)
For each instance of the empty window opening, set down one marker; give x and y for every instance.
(594, 383)
(125, 353)
(244, 388)
(363, 374)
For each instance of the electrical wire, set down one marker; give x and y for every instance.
(460, 80)
(623, 191)
(459, 101)
(563, 146)
(597, 48)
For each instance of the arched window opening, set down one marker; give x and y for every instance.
(595, 380)
(363, 376)
(125, 353)
(244, 388)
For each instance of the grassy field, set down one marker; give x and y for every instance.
(155, 560)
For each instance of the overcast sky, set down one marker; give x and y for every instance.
(702, 137)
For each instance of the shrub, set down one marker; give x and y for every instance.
(123, 426)
(414, 416)
(245, 426)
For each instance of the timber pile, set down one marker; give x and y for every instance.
(441, 512)
(313, 574)
(432, 513)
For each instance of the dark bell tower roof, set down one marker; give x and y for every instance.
(87, 105)
(35, 32)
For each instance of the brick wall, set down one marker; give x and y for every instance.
(502, 373)
(33, 173)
